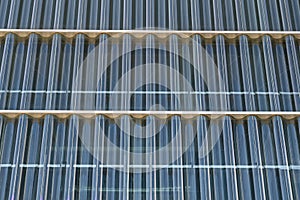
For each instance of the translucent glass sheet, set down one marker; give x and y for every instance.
(150, 73)
(46, 159)
(150, 14)
(149, 156)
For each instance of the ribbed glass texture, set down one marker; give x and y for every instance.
(74, 156)
(254, 158)
(42, 74)
(147, 14)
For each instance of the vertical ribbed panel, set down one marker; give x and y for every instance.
(201, 14)
(251, 160)
(51, 158)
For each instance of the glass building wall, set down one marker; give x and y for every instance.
(149, 99)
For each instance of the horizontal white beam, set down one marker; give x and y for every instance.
(281, 167)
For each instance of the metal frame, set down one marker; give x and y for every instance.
(71, 33)
(142, 114)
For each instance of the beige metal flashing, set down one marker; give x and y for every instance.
(71, 33)
(142, 114)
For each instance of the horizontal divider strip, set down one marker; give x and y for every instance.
(71, 33)
(37, 114)
(147, 92)
(281, 167)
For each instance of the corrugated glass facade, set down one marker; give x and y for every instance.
(150, 99)
(166, 14)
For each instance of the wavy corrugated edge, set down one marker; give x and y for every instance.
(64, 114)
(92, 34)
